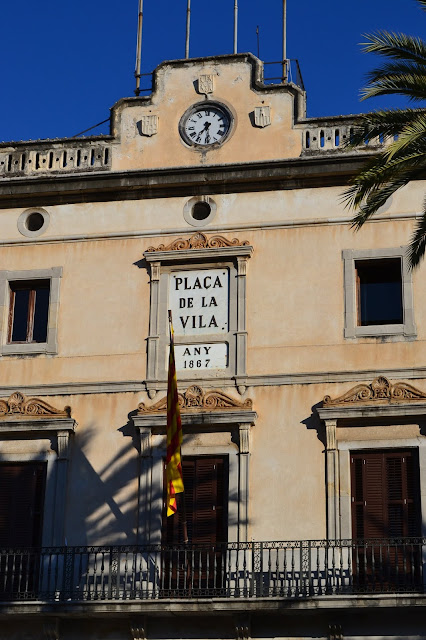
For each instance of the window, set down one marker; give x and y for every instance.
(206, 497)
(29, 311)
(385, 494)
(378, 294)
(21, 503)
(29, 305)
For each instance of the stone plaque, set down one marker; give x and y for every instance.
(199, 300)
(262, 116)
(149, 125)
(205, 83)
(201, 356)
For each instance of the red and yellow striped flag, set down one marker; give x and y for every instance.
(174, 434)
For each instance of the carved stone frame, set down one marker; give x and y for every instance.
(378, 403)
(51, 345)
(406, 330)
(210, 254)
(237, 418)
(33, 421)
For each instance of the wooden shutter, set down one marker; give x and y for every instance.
(206, 496)
(385, 494)
(21, 504)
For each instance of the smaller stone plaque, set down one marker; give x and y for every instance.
(201, 356)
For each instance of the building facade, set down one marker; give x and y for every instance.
(300, 350)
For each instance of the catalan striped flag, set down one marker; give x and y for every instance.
(174, 433)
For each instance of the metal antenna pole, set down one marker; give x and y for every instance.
(284, 40)
(188, 25)
(258, 42)
(139, 50)
(235, 25)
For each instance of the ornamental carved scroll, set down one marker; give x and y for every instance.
(18, 404)
(380, 390)
(199, 241)
(194, 398)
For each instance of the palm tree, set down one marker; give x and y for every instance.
(404, 159)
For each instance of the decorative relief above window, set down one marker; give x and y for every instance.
(379, 389)
(203, 281)
(199, 241)
(196, 399)
(17, 404)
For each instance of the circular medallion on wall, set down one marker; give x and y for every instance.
(33, 222)
(199, 211)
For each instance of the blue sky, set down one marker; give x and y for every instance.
(64, 64)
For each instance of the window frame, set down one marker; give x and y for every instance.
(405, 330)
(162, 264)
(357, 415)
(54, 275)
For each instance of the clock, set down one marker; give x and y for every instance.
(205, 124)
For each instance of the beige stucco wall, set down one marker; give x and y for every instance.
(297, 327)
(176, 91)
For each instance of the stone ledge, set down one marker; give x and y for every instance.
(217, 606)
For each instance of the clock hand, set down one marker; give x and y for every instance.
(206, 130)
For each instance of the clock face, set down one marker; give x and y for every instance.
(205, 125)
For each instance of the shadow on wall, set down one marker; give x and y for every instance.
(102, 505)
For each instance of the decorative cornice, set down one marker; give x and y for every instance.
(380, 390)
(18, 404)
(199, 241)
(194, 398)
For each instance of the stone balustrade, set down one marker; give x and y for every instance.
(328, 135)
(28, 159)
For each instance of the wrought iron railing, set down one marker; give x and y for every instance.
(288, 570)
(283, 71)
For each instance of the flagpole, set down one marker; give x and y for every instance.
(284, 40)
(235, 25)
(188, 25)
(182, 497)
(139, 49)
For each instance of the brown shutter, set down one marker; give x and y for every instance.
(21, 504)
(205, 501)
(385, 494)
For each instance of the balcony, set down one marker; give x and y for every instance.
(254, 570)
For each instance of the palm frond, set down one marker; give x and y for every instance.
(372, 187)
(379, 172)
(411, 136)
(417, 246)
(386, 123)
(398, 68)
(397, 46)
(376, 200)
(413, 87)
(422, 4)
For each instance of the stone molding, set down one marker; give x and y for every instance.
(199, 241)
(380, 390)
(19, 405)
(196, 399)
(271, 380)
(138, 628)
(51, 629)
